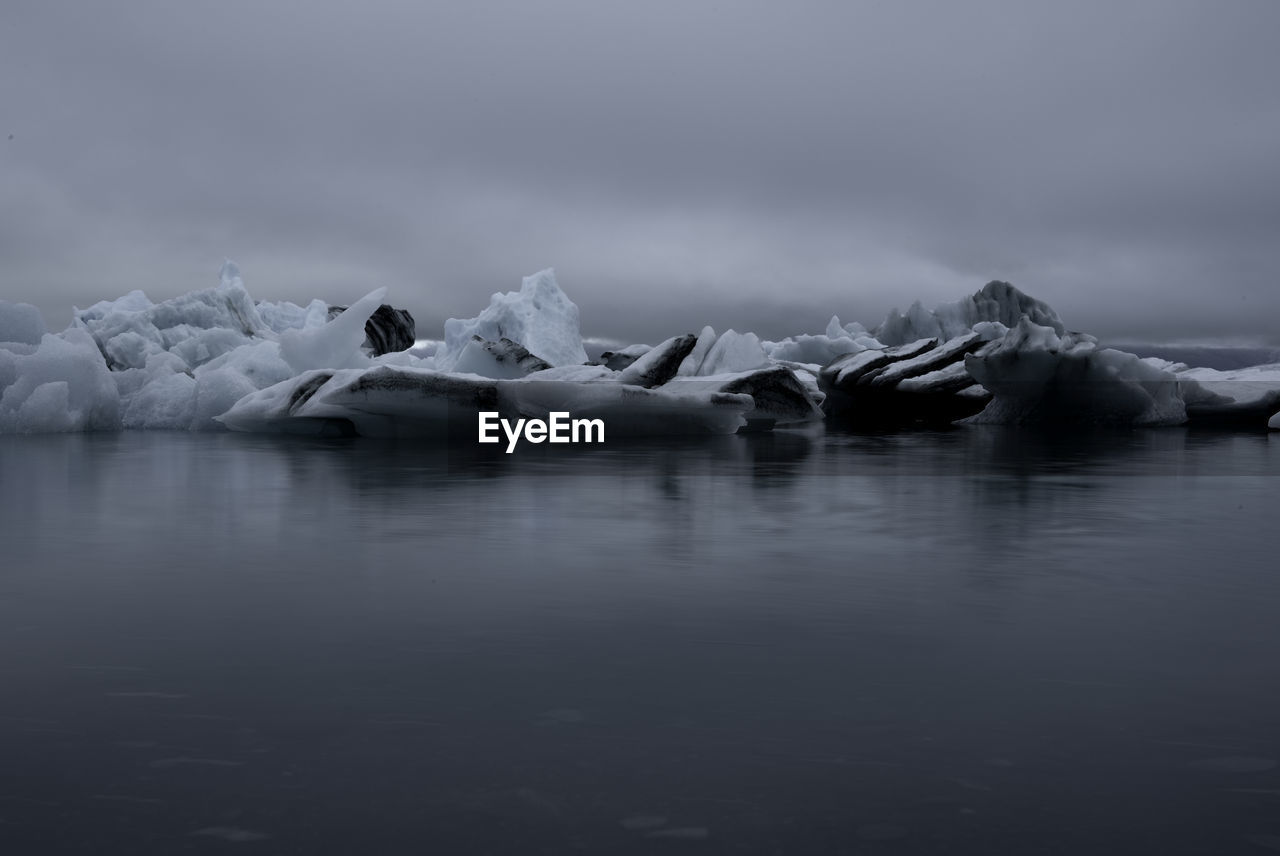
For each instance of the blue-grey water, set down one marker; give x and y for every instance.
(975, 641)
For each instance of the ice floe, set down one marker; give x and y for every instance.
(216, 359)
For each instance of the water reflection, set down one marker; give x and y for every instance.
(975, 640)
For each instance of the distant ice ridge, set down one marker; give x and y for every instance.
(997, 302)
(215, 359)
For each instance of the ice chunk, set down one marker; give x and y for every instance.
(539, 316)
(1038, 375)
(848, 369)
(577, 374)
(951, 351)
(388, 401)
(659, 364)
(61, 385)
(336, 345)
(289, 316)
(501, 359)
(731, 352)
(630, 411)
(776, 393)
(387, 331)
(199, 325)
(1242, 398)
(274, 409)
(165, 401)
(950, 379)
(995, 302)
(21, 323)
(693, 362)
(1274, 422)
(821, 349)
(48, 407)
(913, 383)
(623, 357)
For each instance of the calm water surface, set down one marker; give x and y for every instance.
(977, 641)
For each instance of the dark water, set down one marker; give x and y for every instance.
(979, 641)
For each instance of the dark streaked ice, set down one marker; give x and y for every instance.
(977, 641)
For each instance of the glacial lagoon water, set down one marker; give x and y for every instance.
(972, 641)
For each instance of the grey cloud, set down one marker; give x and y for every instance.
(743, 164)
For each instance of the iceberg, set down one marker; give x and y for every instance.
(215, 359)
(996, 302)
(394, 401)
(1236, 398)
(778, 396)
(917, 382)
(729, 352)
(1036, 374)
(501, 359)
(623, 357)
(60, 384)
(539, 317)
(820, 349)
(659, 364)
(386, 331)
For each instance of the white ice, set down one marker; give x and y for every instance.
(539, 316)
(390, 401)
(724, 354)
(61, 384)
(821, 348)
(214, 358)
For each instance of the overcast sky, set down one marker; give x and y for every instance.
(757, 165)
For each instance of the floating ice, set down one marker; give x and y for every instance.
(995, 301)
(820, 349)
(623, 357)
(539, 316)
(394, 401)
(1236, 398)
(501, 359)
(778, 395)
(1037, 374)
(734, 352)
(62, 384)
(659, 364)
(336, 345)
(215, 359)
(730, 352)
(198, 326)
